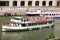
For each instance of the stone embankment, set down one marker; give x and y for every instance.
(22, 10)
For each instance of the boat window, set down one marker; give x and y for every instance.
(38, 23)
(50, 14)
(50, 22)
(23, 25)
(34, 24)
(45, 14)
(53, 14)
(29, 24)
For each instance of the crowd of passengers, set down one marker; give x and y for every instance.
(27, 19)
(33, 18)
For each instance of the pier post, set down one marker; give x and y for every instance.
(40, 27)
(50, 26)
(30, 29)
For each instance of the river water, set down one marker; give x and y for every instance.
(29, 35)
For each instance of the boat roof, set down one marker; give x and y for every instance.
(18, 17)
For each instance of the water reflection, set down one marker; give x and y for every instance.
(27, 35)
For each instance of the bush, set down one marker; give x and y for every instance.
(50, 36)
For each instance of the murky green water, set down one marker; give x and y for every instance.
(27, 35)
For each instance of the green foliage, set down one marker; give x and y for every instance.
(50, 36)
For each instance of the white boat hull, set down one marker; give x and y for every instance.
(7, 28)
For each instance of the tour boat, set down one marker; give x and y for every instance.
(28, 23)
(33, 13)
(39, 12)
(51, 14)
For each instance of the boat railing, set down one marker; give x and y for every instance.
(10, 25)
(31, 19)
